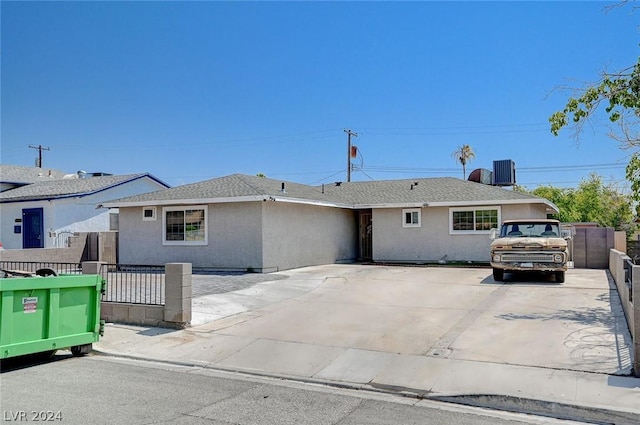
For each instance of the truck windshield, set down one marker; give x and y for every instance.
(530, 230)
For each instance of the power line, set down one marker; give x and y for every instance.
(455, 130)
(457, 127)
(214, 142)
(330, 133)
(326, 178)
(432, 170)
(39, 149)
(571, 167)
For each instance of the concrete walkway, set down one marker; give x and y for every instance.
(451, 334)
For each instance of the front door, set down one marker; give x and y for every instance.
(366, 235)
(32, 228)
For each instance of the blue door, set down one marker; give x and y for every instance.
(32, 228)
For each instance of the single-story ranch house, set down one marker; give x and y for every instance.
(256, 223)
(41, 211)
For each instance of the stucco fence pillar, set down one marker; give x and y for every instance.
(175, 313)
(629, 298)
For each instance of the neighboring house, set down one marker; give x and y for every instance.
(13, 176)
(44, 213)
(261, 224)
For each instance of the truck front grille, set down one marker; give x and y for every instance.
(532, 258)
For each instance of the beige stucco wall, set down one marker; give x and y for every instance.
(432, 241)
(270, 236)
(234, 238)
(297, 235)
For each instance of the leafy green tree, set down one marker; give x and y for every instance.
(562, 198)
(592, 201)
(619, 92)
(463, 155)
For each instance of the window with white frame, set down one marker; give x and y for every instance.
(411, 217)
(184, 225)
(149, 214)
(469, 220)
(114, 223)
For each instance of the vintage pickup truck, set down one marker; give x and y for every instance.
(529, 245)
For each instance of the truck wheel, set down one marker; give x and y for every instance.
(81, 350)
(559, 277)
(498, 275)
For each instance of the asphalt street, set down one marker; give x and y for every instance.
(102, 390)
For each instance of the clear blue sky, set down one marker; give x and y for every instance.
(192, 91)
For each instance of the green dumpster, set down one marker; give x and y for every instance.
(44, 314)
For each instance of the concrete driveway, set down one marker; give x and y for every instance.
(451, 334)
(439, 312)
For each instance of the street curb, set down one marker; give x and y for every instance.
(507, 403)
(552, 409)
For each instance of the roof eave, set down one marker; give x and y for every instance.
(187, 201)
(495, 202)
(80, 194)
(551, 208)
(42, 198)
(200, 201)
(310, 202)
(392, 205)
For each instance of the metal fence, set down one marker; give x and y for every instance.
(134, 284)
(126, 283)
(30, 267)
(628, 274)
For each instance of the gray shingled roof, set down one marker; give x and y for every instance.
(425, 190)
(18, 174)
(447, 190)
(232, 186)
(62, 188)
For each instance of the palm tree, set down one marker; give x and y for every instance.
(463, 155)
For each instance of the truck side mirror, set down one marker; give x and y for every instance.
(493, 233)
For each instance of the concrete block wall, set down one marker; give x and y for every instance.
(620, 241)
(631, 309)
(71, 254)
(177, 296)
(591, 245)
(135, 314)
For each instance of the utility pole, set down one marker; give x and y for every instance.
(349, 134)
(40, 149)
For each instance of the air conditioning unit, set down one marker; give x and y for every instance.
(504, 173)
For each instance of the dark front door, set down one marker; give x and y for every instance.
(32, 228)
(366, 235)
